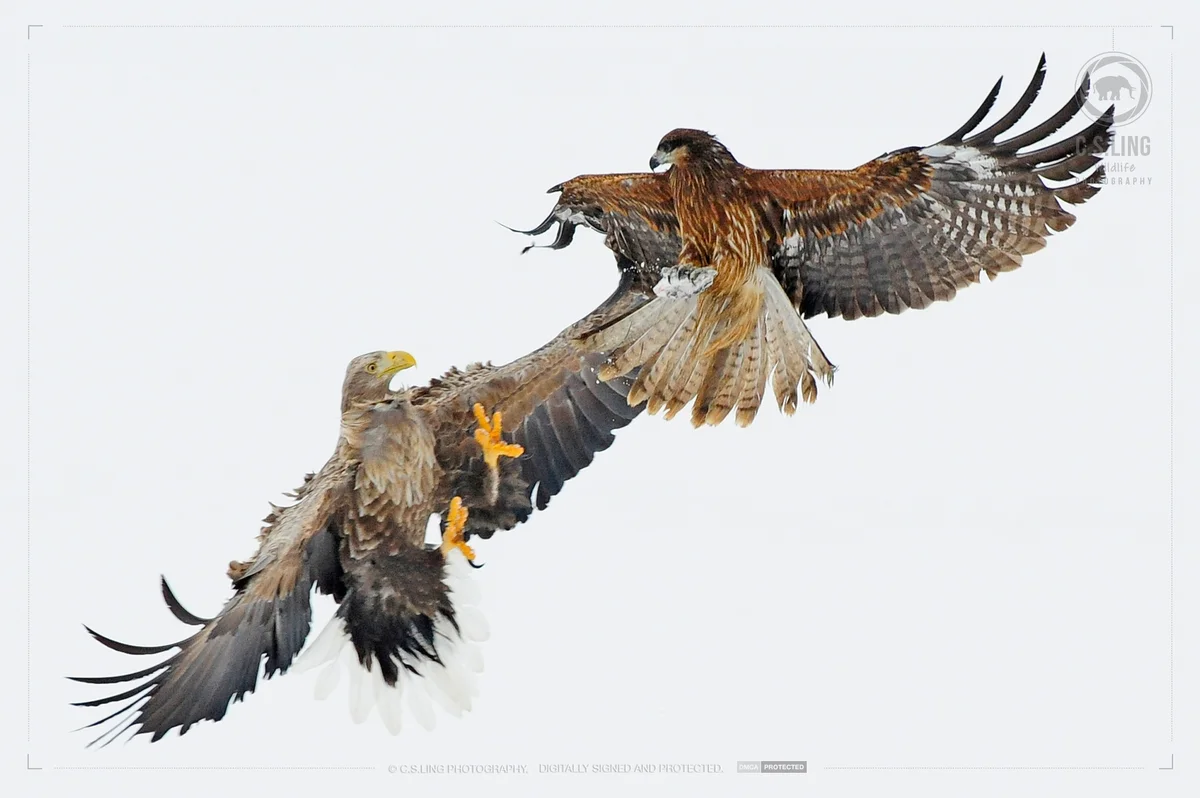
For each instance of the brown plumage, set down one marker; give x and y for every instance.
(743, 254)
(357, 528)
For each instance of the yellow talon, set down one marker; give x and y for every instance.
(452, 538)
(488, 437)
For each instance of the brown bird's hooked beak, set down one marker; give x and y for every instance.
(654, 162)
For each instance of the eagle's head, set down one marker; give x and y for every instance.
(683, 146)
(368, 376)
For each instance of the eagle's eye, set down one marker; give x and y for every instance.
(372, 368)
(670, 145)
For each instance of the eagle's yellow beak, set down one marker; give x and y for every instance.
(395, 362)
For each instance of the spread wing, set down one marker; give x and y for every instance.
(914, 226)
(901, 231)
(552, 404)
(268, 616)
(634, 212)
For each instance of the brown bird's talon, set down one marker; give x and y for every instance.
(452, 538)
(488, 436)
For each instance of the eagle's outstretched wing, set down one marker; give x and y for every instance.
(900, 231)
(269, 615)
(552, 404)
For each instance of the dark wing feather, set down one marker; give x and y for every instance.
(552, 404)
(268, 616)
(562, 434)
(916, 225)
(634, 211)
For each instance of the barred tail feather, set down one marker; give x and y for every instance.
(685, 383)
(641, 336)
(676, 353)
(797, 356)
(754, 376)
(700, 349)
(720, 389)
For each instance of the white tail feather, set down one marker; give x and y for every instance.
(422, 708)
(390, 702)
(451, 684)
(327, 681)
(362, 694)
(323, 648)
(472, 624)
(472, 657)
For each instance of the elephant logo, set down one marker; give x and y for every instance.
(1110, 88)
(1118, 80)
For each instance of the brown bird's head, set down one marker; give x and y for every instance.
(368, 376)
(683, 146)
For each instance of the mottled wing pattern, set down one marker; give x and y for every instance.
(633, 211)
(268, 616)
(552, 404)
(916, 225)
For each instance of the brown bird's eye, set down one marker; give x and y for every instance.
(371, 367)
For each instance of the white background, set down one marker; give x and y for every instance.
(959, 557)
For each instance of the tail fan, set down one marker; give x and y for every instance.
(715, 350)
(439, 660)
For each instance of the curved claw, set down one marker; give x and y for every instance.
(474, 564)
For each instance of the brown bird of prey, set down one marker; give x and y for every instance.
(741, 254)
(405, 623)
